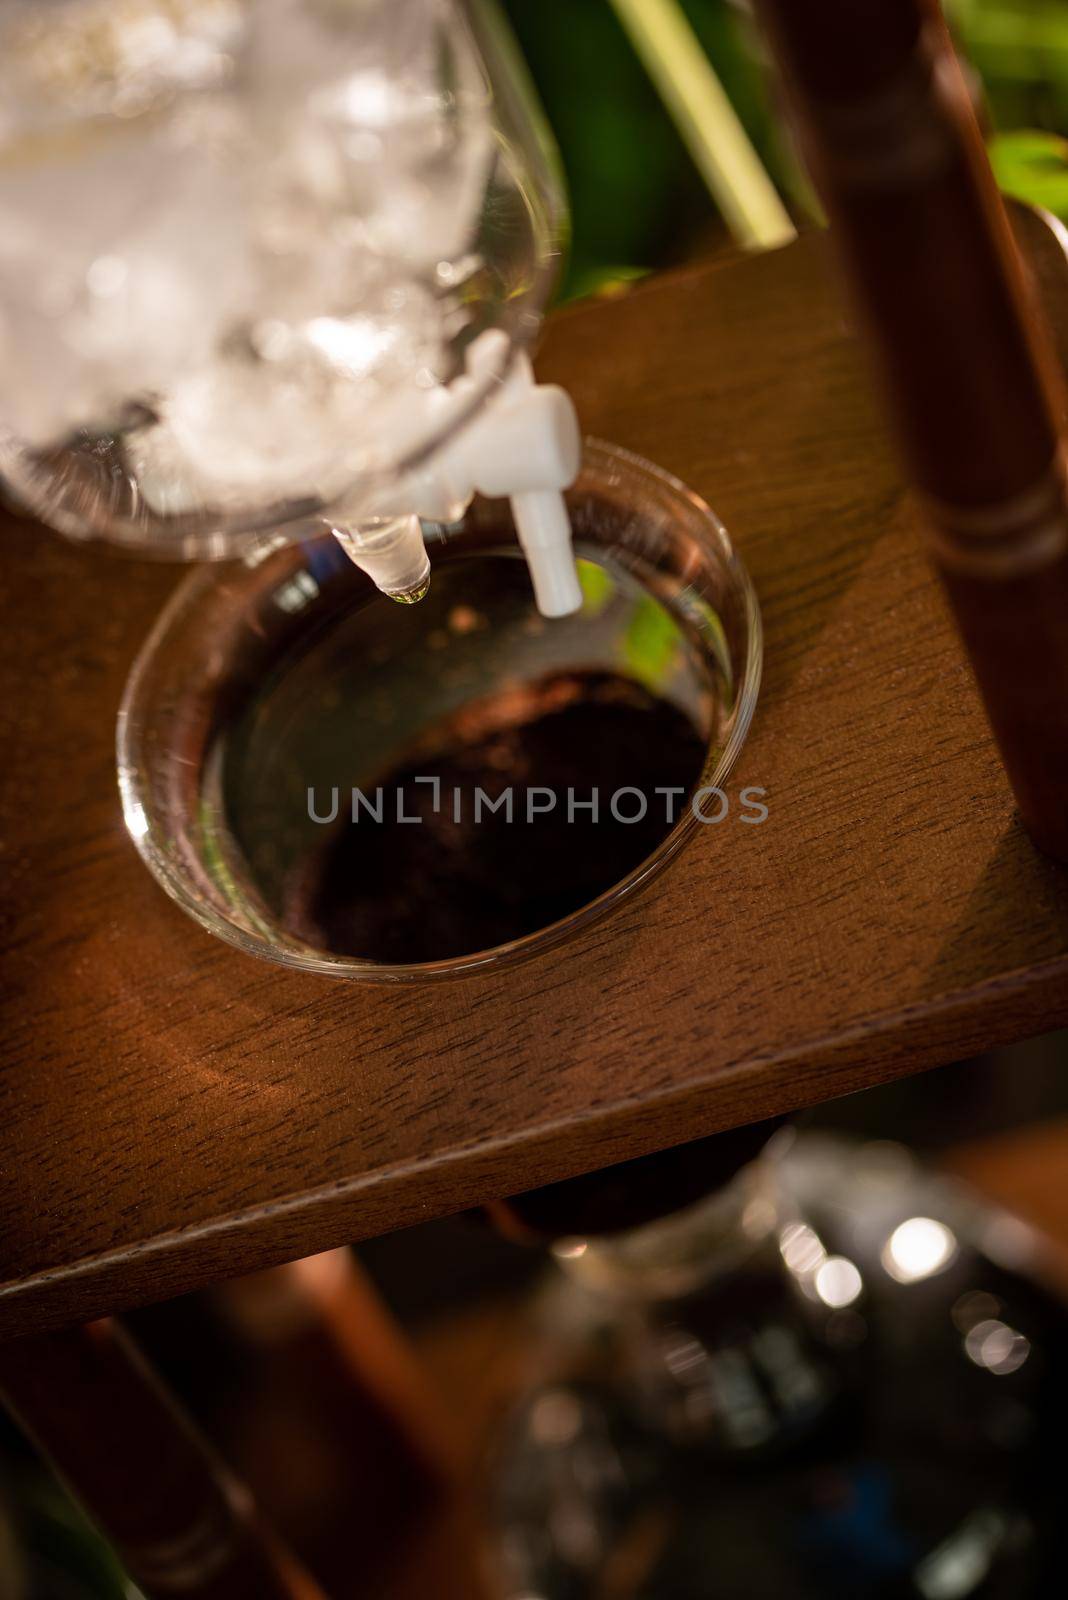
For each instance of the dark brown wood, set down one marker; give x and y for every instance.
(1024, 1171)
(338, 1434)
(630, 1193)
(893, 143)
(178, 1521)
(172, 1113)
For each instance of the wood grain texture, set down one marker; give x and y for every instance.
(172, 1112)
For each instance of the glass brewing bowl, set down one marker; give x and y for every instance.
(277, 689)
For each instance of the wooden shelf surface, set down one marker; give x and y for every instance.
(172, 1112)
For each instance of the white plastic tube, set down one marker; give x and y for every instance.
(544, 530)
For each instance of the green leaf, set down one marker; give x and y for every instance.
(604, 281)
(597, 587)
(651, 643)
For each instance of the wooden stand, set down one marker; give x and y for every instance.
(174, 1113)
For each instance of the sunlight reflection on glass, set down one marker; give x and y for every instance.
(997, 1347)
(838, 1283)
(918, 1249)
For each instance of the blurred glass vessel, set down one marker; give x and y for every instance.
(841, 1375)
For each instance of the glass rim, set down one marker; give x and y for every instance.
(512, 952)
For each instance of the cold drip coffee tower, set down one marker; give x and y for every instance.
(269, 273)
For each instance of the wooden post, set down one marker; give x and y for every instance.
(179, 1523)
(340, 1437)
(887, 125)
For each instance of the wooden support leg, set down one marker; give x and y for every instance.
(341, 1438)
(178, 1521)
(887, 124)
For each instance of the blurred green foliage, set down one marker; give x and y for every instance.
(637, 200)
(1034, 167)
(1020, 50)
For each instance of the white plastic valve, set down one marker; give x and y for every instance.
(523, 443)
(526, 444)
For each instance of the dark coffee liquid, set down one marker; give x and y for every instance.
(447, 884)
(340, 692)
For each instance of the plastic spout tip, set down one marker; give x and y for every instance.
(544, 530)
(392, 554)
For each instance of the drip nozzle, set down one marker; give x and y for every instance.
(544, 530)
(392, 553)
